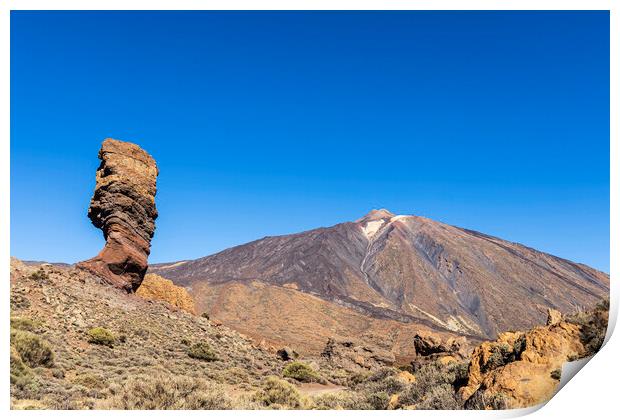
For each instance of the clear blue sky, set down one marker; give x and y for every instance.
(272, 123)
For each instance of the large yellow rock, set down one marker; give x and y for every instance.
(158, 288)
(522, 367)
(406, 377)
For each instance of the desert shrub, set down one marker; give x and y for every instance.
(24, 324)
(435, 382)
(343, 400)
(377, 400)
(439, 397)
(39, 275)
(300, 371)
(18, 369)
(603, 305)
(593, 326)
(382, 381)
(90, 381)
(167, 392)
(357, 378)
(519, 346)
(556, 374)
(205, 315)
(277, 393)
(101, 336)
(236, 375)
(381, 374)
(483, 401)
(33, 350)
(19, 301)
(24, 384)
(202, 351)
(500, 355)
(186, 341)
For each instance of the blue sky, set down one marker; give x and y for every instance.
(267, 123)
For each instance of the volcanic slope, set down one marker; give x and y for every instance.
(383, 272)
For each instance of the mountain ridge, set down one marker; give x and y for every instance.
(409, 269)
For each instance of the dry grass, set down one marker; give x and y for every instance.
(167, 392)
(278, 394)
(32, 350)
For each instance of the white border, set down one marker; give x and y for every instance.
(593, 395)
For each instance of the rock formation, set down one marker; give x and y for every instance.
(349, 356)
(430, 347)
(427, 343)
(523, 369)
(158, 288)
(123, 207)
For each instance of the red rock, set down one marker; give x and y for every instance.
(123, 207)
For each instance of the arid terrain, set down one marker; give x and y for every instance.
(388, 312)
(78, 343)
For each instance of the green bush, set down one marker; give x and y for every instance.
(435, 386)
(101, 336)
(202, 351)
(300, 371)
(168, 392)
(39, 275)
(24, 385)
(18, 368)
(24, 324)
(277, 393)
(33, 350)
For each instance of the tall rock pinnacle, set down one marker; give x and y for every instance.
(123, 207)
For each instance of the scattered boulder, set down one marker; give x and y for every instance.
(430, 346)
(286, 353)
(123, 207)
(347, 355)
(158, 288)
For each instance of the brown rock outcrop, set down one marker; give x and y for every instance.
(158, 288)
(347, 355)
(123, 207)
(523, 369)
(427, 343)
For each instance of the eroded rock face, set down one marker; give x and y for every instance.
(427, 343)
(523, 369)
(347, 355)
(123, 207)
(158, 288)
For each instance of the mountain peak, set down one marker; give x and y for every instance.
(376, 215)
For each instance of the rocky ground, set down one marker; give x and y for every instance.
(78, 343)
